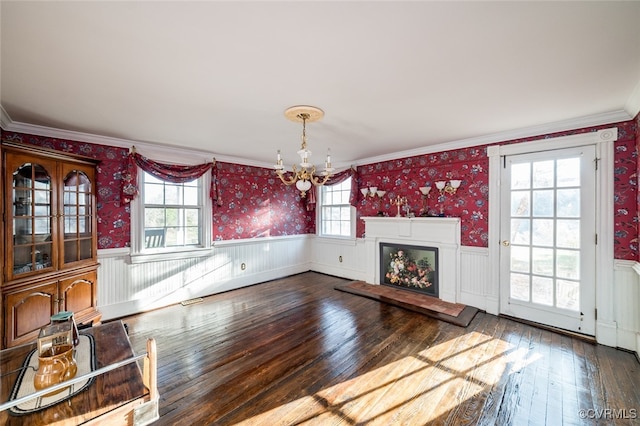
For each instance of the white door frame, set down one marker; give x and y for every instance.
(604, 144)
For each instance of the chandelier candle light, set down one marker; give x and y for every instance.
(304, 177)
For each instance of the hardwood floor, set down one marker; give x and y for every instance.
(295, 351)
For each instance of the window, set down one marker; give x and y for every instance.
(335, 213)
(170, 217)
(172, 212)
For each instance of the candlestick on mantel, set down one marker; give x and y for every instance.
(399, 202)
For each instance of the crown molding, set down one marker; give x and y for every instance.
(632, 106)
(5, 120)
(178, 154)
(559, 126)
(161, 152)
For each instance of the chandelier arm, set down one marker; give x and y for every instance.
(305, 174)
(319, 182)
(286, 182)
(291, 180)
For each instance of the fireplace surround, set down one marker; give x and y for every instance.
(442, 233)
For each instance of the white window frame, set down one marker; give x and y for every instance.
(139, 254)
(352, 215)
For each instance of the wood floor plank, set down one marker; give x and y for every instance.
(456, 382)
(297, 352)
(581, 373)
(335, 366)
(383, 395)
(502, 396)
(479, 372)
(483, 372)
(424, 401)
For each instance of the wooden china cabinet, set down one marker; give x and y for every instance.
(50, 241)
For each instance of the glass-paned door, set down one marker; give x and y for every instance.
(77, 218)
(32, 218)
(548, 238)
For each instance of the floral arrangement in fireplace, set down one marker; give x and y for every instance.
(404, 270)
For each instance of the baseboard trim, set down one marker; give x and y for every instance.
(583, 337)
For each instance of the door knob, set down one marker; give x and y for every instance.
(506, 243)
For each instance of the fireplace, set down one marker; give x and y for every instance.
(441, 235)
(409, 267)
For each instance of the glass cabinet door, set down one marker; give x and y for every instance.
(32, 219)
(77, 216)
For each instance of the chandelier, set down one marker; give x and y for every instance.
(305, 177)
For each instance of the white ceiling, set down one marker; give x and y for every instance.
(391, 76)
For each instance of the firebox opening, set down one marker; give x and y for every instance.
(408, 267)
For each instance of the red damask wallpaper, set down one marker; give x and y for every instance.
(637, 151)
(625, 180)
(404, 177)
(254, 203)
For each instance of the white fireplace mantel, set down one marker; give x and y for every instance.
(440, 232)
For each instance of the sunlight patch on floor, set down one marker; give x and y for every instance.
(309, 406)
(521, 358)
(399, 390)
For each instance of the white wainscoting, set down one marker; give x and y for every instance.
(626, 295)
(127, 288)
(475, 287)
(339, 257)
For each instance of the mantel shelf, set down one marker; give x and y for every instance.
(430, 219)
